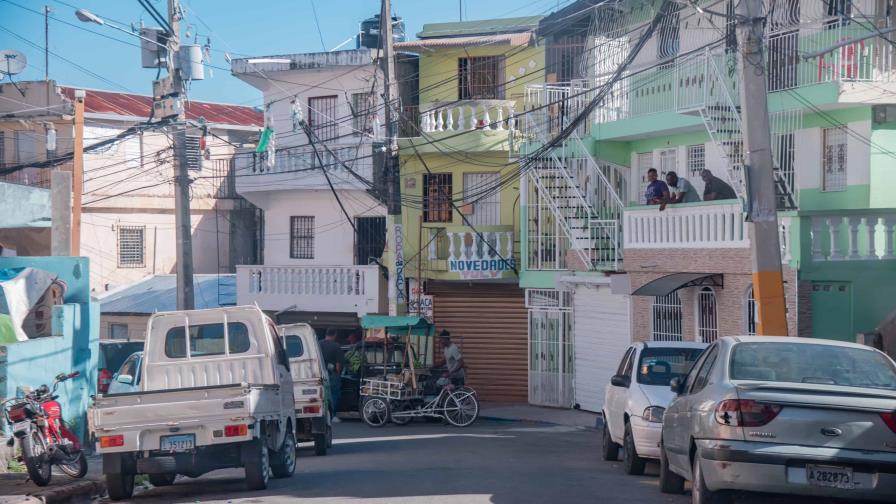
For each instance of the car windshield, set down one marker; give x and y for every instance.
(812, 363)
(657, 366)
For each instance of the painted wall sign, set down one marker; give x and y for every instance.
(481, 268)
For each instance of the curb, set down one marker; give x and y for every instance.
(65, 493)
(599, 423)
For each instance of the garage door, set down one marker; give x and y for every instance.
(489, 322)
(601, 333)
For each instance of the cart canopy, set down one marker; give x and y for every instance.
(418, 326)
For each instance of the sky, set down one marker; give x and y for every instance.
(109, 60)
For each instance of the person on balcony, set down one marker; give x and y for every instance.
(716, 188)
(680, 190)
(657, 191)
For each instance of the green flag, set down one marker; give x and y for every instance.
(264, 140)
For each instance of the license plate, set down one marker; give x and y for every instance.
(309, 391)
(181, 442)
(20, 426)
(829, 476)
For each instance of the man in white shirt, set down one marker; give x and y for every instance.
(454, 360)
(680, 190)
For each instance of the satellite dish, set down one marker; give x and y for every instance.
(12, 62)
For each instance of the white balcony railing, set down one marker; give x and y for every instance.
(353, 289)
(717, 225)
(468, 115)
(852, 235)
(300, 168)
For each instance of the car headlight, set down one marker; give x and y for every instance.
(654, 414)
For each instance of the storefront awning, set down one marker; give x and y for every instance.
(670, 283)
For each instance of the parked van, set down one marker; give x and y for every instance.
(311, 385)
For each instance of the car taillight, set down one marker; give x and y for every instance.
(745, 413)
(104, 378)
(309, 410)
(890, 420)
(236, 430)
(111, 441)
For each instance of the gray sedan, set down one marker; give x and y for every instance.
(783, 415)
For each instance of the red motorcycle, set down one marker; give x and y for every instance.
(36, 421)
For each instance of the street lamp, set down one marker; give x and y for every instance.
(86, 16)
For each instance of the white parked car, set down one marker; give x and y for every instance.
(637, 396)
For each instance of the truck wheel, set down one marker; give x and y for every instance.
(120, 486)
(283, 463)
(257, 464)
(160, 480)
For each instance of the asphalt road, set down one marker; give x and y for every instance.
(488, 462)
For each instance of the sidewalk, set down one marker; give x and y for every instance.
(529, 413)
(15, 490)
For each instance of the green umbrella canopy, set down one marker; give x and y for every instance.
(419, 326)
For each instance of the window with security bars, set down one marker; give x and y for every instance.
(301, 237)
(131, 246)
(696, 160)
(481, 78)
(668, 162)
(834, 159)
(363, 113)
(437, 191)
(322, 117)
(750, 316)
(667, 318)
(707, 315)
(668, 38)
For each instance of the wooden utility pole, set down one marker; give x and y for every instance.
(395, 233)
(77, 172)
(47, 46)
(768, 280)
(182, 181)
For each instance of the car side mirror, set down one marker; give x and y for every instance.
(125, 379)
(620, 381)
(677, 385)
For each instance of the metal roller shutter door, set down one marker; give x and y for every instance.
(602, 335)
(490, 324)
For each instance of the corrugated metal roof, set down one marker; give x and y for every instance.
(480, 27)
(134, 105)
(509, 39)
(158, 293)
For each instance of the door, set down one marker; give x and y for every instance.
(601, 333)
(616, 397)
(832, 311)
(371, 239)
(551, 358)
(484, 203)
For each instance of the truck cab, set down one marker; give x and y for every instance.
(215, 392)
(311, 385)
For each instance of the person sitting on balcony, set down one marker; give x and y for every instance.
(716, 188)
(680, 190)
(657, 191)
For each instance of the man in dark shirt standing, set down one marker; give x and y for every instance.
(657, 191)
(716, 188)
(333, 360)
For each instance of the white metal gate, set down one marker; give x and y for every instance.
(551, 357)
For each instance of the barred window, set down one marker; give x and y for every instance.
(437, 191)
(130, 246)
(696, 160)
(707, 315)
(667, 318)
(481, 78)
(834, 159)
(363, 113)
(301, 237)
(322, 117)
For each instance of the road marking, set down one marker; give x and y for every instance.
(419, 436)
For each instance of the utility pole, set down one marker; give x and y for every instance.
(395, 232)
(182, 180)
(768, 281)
(77, 172)
(47, 44)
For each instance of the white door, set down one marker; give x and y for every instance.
(486, 202)
(550, 348)
(601, 337)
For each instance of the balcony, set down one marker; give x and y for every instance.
(450, 122)
(459, 253)
(352, 289)
(687, 225)
(299, 168)
(847, 235)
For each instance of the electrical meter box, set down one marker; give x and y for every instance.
(153, 55)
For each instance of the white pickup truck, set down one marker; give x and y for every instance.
(311, 386)
(215, 392)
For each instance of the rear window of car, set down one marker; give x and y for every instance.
(294, 347)
(657, 366)
(113, 354)
(207, 339)
(812, 363)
